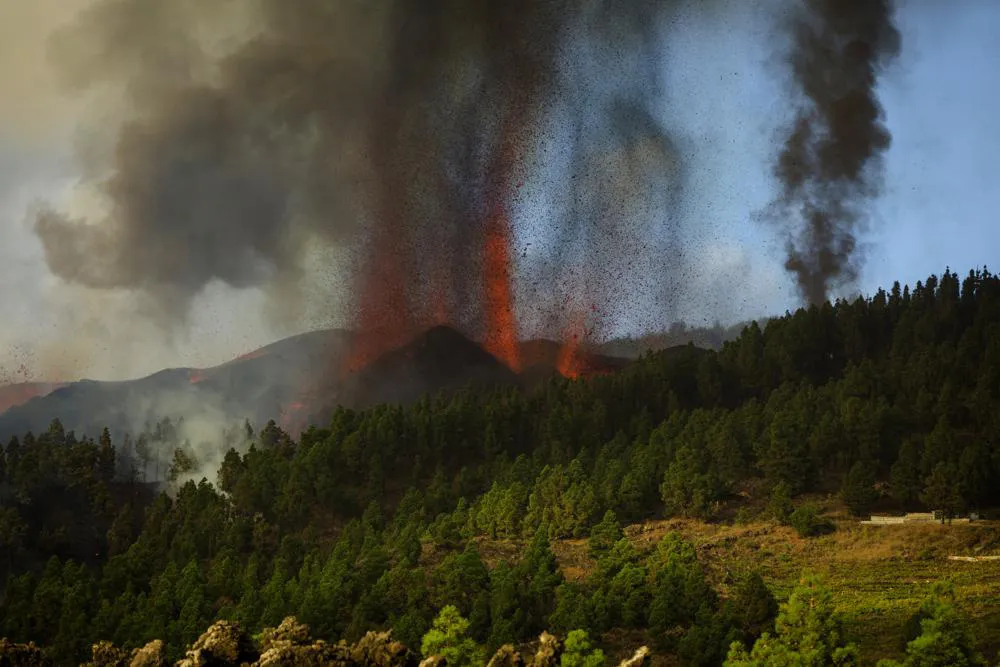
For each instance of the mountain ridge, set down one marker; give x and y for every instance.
(301, 377)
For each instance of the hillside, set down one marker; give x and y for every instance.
(298, 380)
(879, 577)
(284, 373)
(438, 360)
(254, 386)
(12, 395)
(673, 502)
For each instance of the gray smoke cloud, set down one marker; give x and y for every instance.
(228, 140)
(233, 136)
(830, 165)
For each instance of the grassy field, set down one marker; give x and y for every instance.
(879, 575)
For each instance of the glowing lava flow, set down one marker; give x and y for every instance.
(569, 363)
(404, 288)
(501, 322)
(572, 363)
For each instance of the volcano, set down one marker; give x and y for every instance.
(439, 360)
(296, 381)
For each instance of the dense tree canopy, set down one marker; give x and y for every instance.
(374, 519)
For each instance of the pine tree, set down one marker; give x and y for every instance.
(944, 640)
(182, 463)
(143, 452)
(13, 532)
(754, 607)
(230, 471)
(604, 535)
(941, 492)
(106, 457)
(13, 456)
(508, 617)
(579, 652)
(448, 638)
(780, 506)
(906, 481)
(538, 575)
(679, 586)
(572, 608)
(463, 581)
(858, 489)
(784, 456)
(689, 485)
(807, 632)
(120, 535)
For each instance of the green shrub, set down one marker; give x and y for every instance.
(807, 522)
(448, 638)
(579, 652)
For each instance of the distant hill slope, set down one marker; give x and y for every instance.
(20, 393)
(711, 338)
(254, 386)
(296, 380)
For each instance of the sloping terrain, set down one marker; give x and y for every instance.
(879, 576)
(12, 395)
(300, 379)
(254, 386)
(440, 359)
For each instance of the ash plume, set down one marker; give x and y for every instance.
(830, 166)
(230, 137)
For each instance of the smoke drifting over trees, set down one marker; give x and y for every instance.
(831, 163)
(236, 136)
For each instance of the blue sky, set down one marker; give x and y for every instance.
(722, 106)
(942, 201)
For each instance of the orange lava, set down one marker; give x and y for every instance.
(570, 365)
(501, 322)
(196, 375)
(400, 291)
(572, 362)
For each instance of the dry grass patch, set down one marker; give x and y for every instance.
(879, 575)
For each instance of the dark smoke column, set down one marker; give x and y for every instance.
(830, 166)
